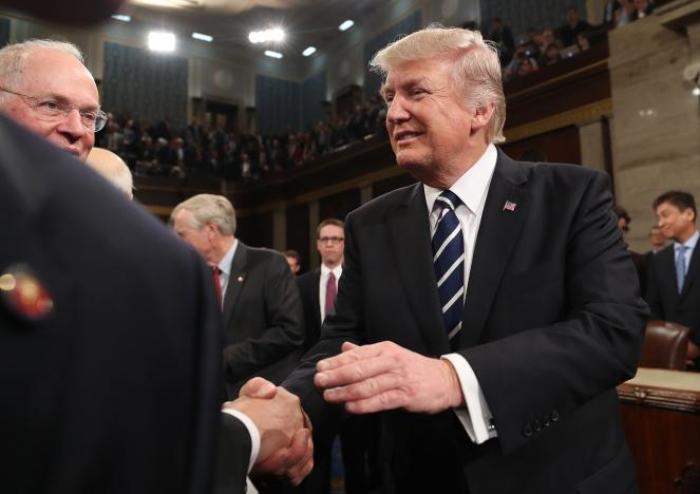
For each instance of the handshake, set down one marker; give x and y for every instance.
(286, 447)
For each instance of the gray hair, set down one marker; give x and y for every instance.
(477, 70)
(209, 208)
(14, 56)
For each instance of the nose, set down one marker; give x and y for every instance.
(397, 113)
(72, 124)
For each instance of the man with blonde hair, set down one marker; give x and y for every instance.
(113, 168)
(263, 316)
(489, 311)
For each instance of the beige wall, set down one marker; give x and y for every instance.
(656, 144)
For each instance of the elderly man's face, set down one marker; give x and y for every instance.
(200, 239)
(57, 76)
(428, 120)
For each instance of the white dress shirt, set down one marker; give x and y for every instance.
(472, 189)
(325, 272)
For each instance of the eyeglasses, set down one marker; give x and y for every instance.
(333, 240)
(51, 109)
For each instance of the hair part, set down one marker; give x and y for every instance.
(476, 67)
(679, 199)
(329, 222)
(209, 209)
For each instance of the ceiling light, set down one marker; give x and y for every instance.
(203, 37)
(346, 25)
(696, 91)
(276, 34)
(273, 54)
(310, 50)
(161, 41)
(121, 17)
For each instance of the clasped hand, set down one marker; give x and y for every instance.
(286, 447)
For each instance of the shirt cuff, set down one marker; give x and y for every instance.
(252, 430)
(476, 418)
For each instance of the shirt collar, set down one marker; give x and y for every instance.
(472, 186)
(225, 262)
(688, 243)
(336, 270)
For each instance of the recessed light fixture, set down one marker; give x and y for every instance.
(121, 17)
(273, 54)
(203, 37)
(346, 25)
(161, 41)
(275, 34)
(310, 50)
(696, 91)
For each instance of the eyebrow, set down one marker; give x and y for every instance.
(415, 81)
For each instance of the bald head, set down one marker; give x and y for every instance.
(113, 168)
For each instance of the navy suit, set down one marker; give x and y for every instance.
(662, 293)
(552, 323)
(115, 388)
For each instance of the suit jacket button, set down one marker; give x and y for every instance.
(555, 415)
(538, 425)
(527, 430)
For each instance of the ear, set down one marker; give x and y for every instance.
(482, 117)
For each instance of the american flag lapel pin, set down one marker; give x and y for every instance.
(509, 206)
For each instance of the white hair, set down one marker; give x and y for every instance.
(13, 58)
(476, 67)
(209, 208)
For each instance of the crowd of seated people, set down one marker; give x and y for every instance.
(540, 48)
(231, 155)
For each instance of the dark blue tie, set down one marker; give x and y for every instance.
(448, 260)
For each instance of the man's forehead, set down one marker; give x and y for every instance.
(59, 74)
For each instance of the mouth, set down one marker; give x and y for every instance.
(72, 150)
(406, 136)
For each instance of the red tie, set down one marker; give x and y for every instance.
(331, 291)
(216, 272)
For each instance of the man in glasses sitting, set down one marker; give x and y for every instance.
(45, 86)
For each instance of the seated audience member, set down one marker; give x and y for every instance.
(263, 316)
(674, 273)
(551, 55)
(611, 6)
(642, 8)
(113, 168)
(582, 42)
(640, 261)
(294, 261)
(573, 27)
(502, 36)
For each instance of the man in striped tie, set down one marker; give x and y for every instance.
(489, 311)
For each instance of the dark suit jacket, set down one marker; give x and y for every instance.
(116, 389)
(662, 294)
(552, 323)
(263, 318)
(309, 291)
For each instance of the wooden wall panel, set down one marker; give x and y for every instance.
(338, 205)
(560, 146)
(298, 232)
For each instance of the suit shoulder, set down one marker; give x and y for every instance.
(380, 204)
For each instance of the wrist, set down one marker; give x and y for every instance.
(455, 398)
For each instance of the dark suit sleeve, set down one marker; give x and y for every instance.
(284, 317)
(653, 296)
(233, 456)
(550, 372)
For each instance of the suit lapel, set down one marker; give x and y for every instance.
(317, 297)
(692, 274)
(503, 218)
(409, 227)
(235, 280)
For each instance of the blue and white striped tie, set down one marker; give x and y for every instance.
(448, 260)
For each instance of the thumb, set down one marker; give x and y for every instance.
(258, 388)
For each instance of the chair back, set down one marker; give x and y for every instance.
(665, 345)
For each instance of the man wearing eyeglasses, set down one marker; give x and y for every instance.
(45, 86)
